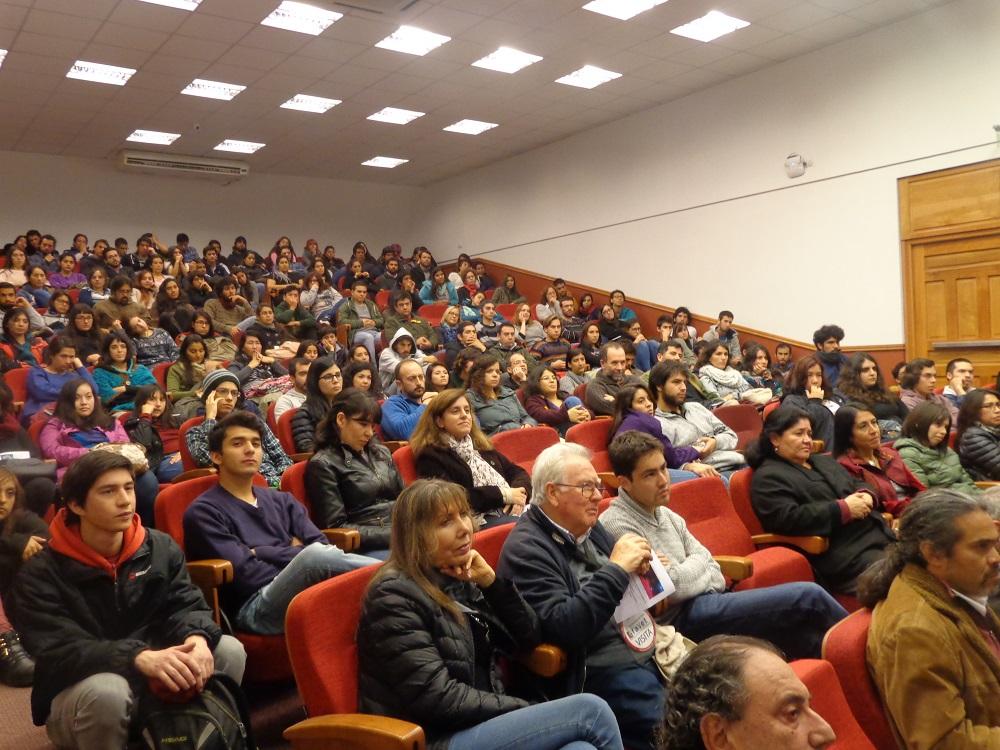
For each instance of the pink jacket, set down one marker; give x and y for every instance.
(55, 442)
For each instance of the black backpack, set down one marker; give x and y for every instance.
(216, 719)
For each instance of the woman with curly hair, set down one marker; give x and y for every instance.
(861, 381)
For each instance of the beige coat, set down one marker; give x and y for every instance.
(937, 676)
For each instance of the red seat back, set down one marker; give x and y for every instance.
(17, 381)
(284, 433)
(743, 419)
(523, 446)
(594, 436)
(293, 480)
(739, 491)
(827, 698)
(323, 650)
(407, 464)
(844, 647)
(768, 408)
(174, 499)
(272, 421)
(581, 391)
(187, 461)
(507, 309)
(160, 373)
(38, 421)
(382, 299)
(489, 542)
(708, 511)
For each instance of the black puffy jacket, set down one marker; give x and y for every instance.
(304, 424)
(348, 489)
(979, 450)
(76, 621)
(418, 664)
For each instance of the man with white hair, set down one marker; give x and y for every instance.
(573, 574)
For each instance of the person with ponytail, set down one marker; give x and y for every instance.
(934, 641)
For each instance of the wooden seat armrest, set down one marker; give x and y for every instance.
(608, 479)
(545, 660)
(208, 576)
(987, 485)
(355, 732)
(193, 474)
(296, 457)
(394, 445)
(347, 539)
(814, 545)
(735, 567)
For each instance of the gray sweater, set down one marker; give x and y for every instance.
(691, 567)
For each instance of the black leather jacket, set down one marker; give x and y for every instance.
(354, 490)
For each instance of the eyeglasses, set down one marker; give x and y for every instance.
(994, 405)
(331, 376)
(227, 393)
(587, 489)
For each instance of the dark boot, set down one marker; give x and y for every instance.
(17, 669)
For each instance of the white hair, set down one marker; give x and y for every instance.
(550, 465)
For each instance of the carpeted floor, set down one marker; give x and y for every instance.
(272, 708)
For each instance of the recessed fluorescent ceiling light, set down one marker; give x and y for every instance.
(307, 103)
(507, 60)
(588, 77)
(413, 41)
(710, 26)
(386, 162)
(395, 116)
(182, 4)
(240, 147)
(301, 17)
(212, 89)
(3, 54)
(622, 9)
(99, 73)
(470, 127)
(153, 136)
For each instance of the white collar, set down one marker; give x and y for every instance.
(978, 604)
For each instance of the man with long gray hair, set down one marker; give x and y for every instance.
(573, 574)
(934, 642)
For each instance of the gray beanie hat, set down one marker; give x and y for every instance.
(215, 378)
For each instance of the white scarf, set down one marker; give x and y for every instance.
(730, 377)
(483, 475)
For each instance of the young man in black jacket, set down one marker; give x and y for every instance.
(108, 610)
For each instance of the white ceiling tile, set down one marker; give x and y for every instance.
(203, 26)
(538, 13)
(276, 40)
(703, 54)
(96, 9)
(120, 56)
(359, 30)
(661, 70)
(237, 74)
(252, 11)
(305, 68)
(129, 36)
(206, 50)
(184, 68)
(11, 17)
(745, 38)
(753, 11)
(834, 29)
(739, 64)
(664, 46)
(334, 50)
(40, 45)
(444, 20)
(797, 17)
(784, 47)
(61, 25)
(840, 6)
(382, 59)
(249, 57)
(148, 16)
(355, 74)
(884, 11)
(699, 78)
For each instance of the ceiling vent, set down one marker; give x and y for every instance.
(177, 164)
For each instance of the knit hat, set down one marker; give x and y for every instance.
(216, 378)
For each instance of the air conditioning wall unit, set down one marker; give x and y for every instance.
(180, 165)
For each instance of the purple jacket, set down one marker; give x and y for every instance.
(676, 457)
(55, 442)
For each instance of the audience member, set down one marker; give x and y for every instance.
(933, 647)
(688, 423)
(119, 305)
(363, 316)
(544, 403)
(572, 323)
(448, 444)
(807, 389)
(605, 385)
(573, 574)
(548, 306)
(799, 614)
(152, 345)
(717, 375)
(590, 344)
(57, 315)
(118, 375)
(515, 377)
(438, 289)
(404, 316)
(262, 378)
(67, 277)
(185, 375)
(858, 447)
(45, 383)
(298, 369)
(798, 493)
(738, 693)
(324, 381)
(172, 311)
(757, 369)
(622, 313)
(436, 607)
(507, 294)
(827, 341)
(978, 436)
(363, 376)
(437, 378)
(294, 316)
(724, 333)
(351, 480)
(37, 290)
(18, 344)
(39, 487)
(917, 383)
(402, 346)
(109, 612)
(229, 308)
(861, 381)
(528, 331)
(497, 407)
(402, 411)
(276, 551)
(83, 333)
(782, 360)
(154, 425)
(960, 374)
(15, 269)
(924, 447)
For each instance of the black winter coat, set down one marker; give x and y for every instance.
(795, 501)
(76, 621)
(25, 526)
(143, 432)
(536, 557)
(304, 426)
(435, 462)
(356, 491)
(418, 664)
(979, 450)
(820, 417)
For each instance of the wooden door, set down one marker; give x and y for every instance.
(950, 226)
(956, 301)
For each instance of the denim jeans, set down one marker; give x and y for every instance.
(577, 722)
(793, 616)
(168, 469)
(146, 489)
(264, 612)
(370, 338)
(635, 693)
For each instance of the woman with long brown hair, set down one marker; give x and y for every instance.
(432, 623)
(861, 381)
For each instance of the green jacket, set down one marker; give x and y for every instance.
(283, 314)
(934, 468)
(415, 325)
(347, 314)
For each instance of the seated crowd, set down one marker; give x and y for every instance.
(131, 367)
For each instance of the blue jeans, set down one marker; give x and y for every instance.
(679, 475)
(370, 338)
(793, 616)
(635, 693)
(168, 470)
(264, 612)
(577, 722)
(146, 489)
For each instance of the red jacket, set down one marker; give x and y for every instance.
(884, 479)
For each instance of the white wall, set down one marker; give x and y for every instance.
(64, 196)
(822, 248)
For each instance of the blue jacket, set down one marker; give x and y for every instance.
(536, 558)
(400, 416)
(427, 293)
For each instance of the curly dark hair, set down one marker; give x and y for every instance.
(710, 680)
(850, 382)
